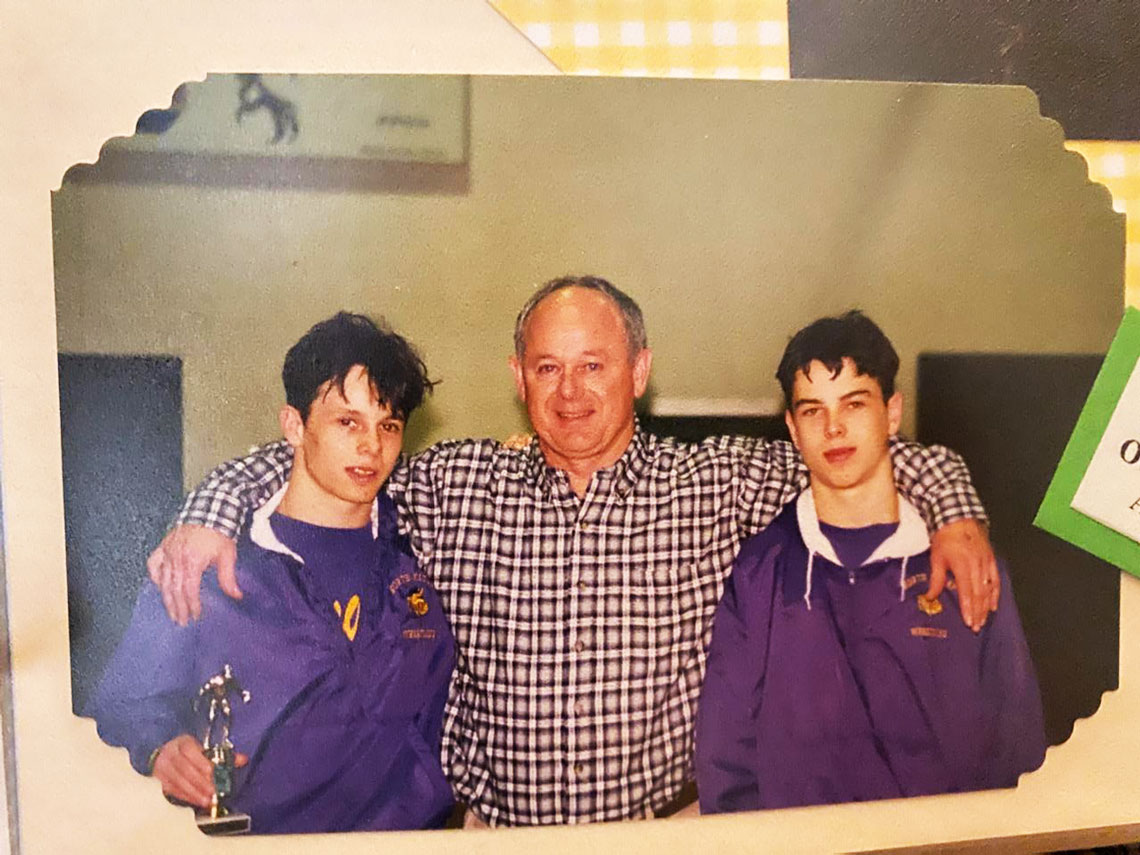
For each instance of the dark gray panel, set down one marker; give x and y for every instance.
(1010, 417)
(1079, 56)
(121, 423)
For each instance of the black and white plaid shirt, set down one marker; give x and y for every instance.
(581, 623)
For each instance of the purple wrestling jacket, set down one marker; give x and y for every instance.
(828, 684)
(343, 733)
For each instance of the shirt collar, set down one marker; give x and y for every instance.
(621, 477)
(262, 534)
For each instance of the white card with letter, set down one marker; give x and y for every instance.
(1109, 492)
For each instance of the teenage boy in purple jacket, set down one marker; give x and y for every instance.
(339, 638)
(830, 677)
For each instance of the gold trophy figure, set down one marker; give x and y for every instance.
(219, 751)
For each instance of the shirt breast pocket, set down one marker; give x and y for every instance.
(679, 600)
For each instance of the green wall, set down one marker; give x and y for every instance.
(735, 212)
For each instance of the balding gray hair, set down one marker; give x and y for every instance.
(634, 322)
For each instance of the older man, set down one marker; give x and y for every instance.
(580, 574)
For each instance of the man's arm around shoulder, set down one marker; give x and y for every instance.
(938, 482)
(211, 518)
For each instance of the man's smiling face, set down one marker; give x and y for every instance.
(578, 380)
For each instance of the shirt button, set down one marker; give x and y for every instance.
(580, 708)
(579, 646)
(579, 768)
(582, 586)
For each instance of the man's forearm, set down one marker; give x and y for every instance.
(227, 495)
(937, 482)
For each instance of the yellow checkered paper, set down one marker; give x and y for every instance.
(714, 38)
(1116, 165)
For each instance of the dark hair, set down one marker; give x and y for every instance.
(829, 340)
(327, 352)
(631, 316)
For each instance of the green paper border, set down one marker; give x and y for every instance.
(1056, 515)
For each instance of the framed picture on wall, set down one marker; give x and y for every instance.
(353, 132)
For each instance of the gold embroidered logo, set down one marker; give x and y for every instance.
(427, 634)
(405, 578)
(417, 602)
(350, 618)
(911, 581)
(928, 632)
(929, 605)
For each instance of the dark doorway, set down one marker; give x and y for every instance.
(1010, 417)
(121, 422)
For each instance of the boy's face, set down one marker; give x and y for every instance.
(841, 425)
(347, 447)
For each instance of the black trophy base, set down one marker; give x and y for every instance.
(219, 826)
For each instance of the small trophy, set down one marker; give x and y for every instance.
(216, 745)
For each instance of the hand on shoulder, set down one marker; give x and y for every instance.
(177, 564)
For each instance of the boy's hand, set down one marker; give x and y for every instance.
(184, 771)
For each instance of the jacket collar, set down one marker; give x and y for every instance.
(910, 538)
(262, 534)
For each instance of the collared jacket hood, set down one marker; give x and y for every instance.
(261, 532)
(909, 539)
(825, 687)
(342, 730)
